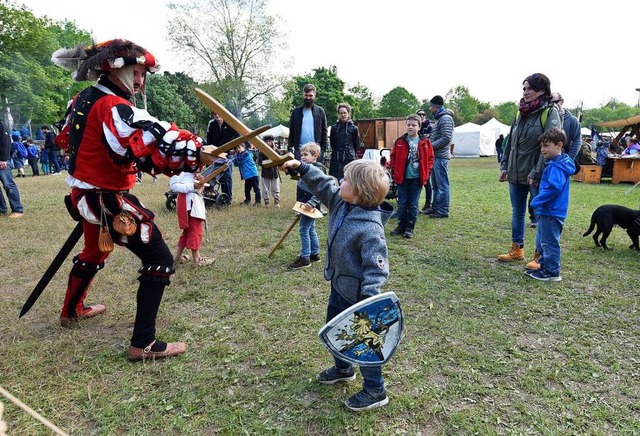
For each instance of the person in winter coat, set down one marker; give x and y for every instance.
(441, 137)
(6, 177)
(344, 140)
(357, 261)
(411, 163)
(521, 163)
(551, 205)
(32, 156)
(249, 173)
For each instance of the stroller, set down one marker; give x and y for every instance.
(211, 195)
(385, 161)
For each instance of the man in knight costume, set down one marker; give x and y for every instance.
(108, 140)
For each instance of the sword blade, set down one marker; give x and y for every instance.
(53, 268)
(293, 224)
(274, 159)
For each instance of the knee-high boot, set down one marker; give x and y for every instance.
(80, 279)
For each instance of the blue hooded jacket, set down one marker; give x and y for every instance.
(553, 196)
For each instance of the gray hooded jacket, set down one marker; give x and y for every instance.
(357, 261)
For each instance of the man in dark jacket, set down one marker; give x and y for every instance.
(308, 123)
(6, 177)
(219, 133)
(51, 148)
(345, 141)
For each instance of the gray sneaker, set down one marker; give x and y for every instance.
(333, 375)
(364, 400)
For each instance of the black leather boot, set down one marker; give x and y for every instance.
(408, 232)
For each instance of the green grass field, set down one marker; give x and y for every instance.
(486, 350)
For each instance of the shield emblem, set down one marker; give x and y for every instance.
(367, 333)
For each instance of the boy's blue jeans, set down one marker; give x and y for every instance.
(548, 243)
(518, 194)
(408, 198)
(309, 243)
(372, 375)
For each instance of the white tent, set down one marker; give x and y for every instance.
(497, 127)
(585, 131)
(278, 131)
(473, 140)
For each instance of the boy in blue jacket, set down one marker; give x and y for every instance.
(357, 261)
(249, 173)
(551, 204)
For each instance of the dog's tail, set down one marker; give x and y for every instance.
(591, 227)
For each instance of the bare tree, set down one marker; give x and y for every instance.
(235, 42)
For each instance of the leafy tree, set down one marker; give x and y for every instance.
(465, 107)
(506, 112)
(165, 102)
(485, 116)
(236, 40)
(31, 87)
(362, 103)
(398, 103)
(612, 110)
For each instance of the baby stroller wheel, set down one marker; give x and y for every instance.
(222, 200)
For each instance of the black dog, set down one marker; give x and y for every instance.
(606, 216)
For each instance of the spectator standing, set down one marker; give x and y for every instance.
(32, 156)
(425, 130)
(499, 142)
(270, 176)
(441, 137)
(18, 155)
(219, 133)
(308, 123)
(521, 163)
(249, 173)
(6, 177)
(411, 162)
(52, 149)
(551, 205)
(344, 140)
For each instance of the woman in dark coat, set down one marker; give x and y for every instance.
(344, 140)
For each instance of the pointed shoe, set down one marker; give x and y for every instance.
(87, 312)
(173, 349)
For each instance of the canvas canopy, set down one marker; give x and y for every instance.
(473, 140)
(278, 131)
(497, 127)
(621, 123)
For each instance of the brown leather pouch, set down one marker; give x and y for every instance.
(105, 243)
(124, 224)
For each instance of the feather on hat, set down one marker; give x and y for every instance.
(88, 63)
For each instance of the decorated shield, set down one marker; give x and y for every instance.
(367, 333)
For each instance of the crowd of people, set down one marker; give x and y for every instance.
(537, 159)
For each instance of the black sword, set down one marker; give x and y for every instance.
(53, 268)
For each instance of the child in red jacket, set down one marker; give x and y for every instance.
(411, 162)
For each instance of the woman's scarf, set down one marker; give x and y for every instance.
(526, 108)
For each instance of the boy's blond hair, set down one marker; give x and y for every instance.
(312, 148)
(368, 180)
(416, 118)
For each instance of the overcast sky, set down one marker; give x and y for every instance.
(428, 47)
